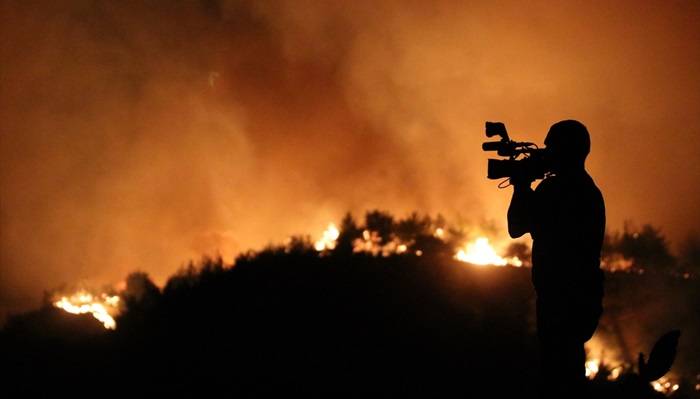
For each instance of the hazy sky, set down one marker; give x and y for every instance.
(140, 134)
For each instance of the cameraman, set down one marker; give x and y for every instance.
(565, 215)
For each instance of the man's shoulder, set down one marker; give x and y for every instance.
(588, 192)
(592, 187)
(581, 186)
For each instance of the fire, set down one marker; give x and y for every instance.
(664, 385)
(480, 252)
(328, 239)
(602, 358)
(440, 233)
(371, 243)
(103, 307)
(592, 368)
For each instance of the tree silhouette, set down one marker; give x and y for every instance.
(647, 247)
(413, 226)
(140, 291)
(690, 255)
(382, 223)
(519, 250)
(349, 232)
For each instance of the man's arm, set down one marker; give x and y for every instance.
(520, 211)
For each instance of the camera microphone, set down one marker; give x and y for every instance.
(492, 146)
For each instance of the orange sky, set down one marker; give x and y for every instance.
(139, 136)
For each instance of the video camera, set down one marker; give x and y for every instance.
(531, 166)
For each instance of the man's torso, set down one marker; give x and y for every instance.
(568, 231)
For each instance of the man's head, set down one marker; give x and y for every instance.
(568, 144)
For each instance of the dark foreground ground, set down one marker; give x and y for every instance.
(280, 323)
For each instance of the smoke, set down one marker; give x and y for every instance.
(138, 135)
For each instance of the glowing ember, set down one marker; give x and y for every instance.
(102, 308)
(480, 252)
(328, 240)
(368, 243)
(664, 385)
(371, 243)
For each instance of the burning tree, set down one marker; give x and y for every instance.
(383, 234)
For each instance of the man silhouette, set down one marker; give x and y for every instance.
(565, 215)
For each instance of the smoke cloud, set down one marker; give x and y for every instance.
(138, 135)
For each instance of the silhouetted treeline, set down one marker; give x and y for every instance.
(646, 249)
(287, 319)
(283, 321)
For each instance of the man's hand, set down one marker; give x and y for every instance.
(520, 182)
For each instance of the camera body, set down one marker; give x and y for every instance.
(532, 165)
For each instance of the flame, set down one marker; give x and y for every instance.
(602, 358)
(103, 307)
(328, 239)
(480, 252)
(592, 367)
(601, 363)
(615, 373)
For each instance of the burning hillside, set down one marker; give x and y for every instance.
(105, 307)
(378, 257)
